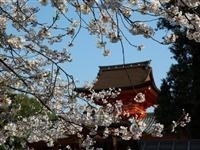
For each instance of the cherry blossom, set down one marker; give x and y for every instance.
(182, 121)
(139, 98)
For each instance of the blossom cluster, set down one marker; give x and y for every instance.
(4, 102)
(105, 21)
(139, 98)
(182, 121)
(41, 129)
(2, 22)
(16, 42)
(157, 130)
(101, 96)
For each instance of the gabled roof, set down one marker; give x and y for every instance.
(124, 76)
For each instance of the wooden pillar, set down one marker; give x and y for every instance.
(114, 142)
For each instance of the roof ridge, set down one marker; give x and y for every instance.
(142, 63)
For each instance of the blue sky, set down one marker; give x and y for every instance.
(87, 57)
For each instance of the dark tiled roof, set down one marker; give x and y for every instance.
(121, 76)
(149, 120)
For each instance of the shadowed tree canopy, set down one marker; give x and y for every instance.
(180, 89)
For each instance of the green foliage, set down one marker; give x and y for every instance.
(52, 117)
(22, 106)
(14, 143)
(28, 106)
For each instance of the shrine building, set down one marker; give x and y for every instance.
(135, 81)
